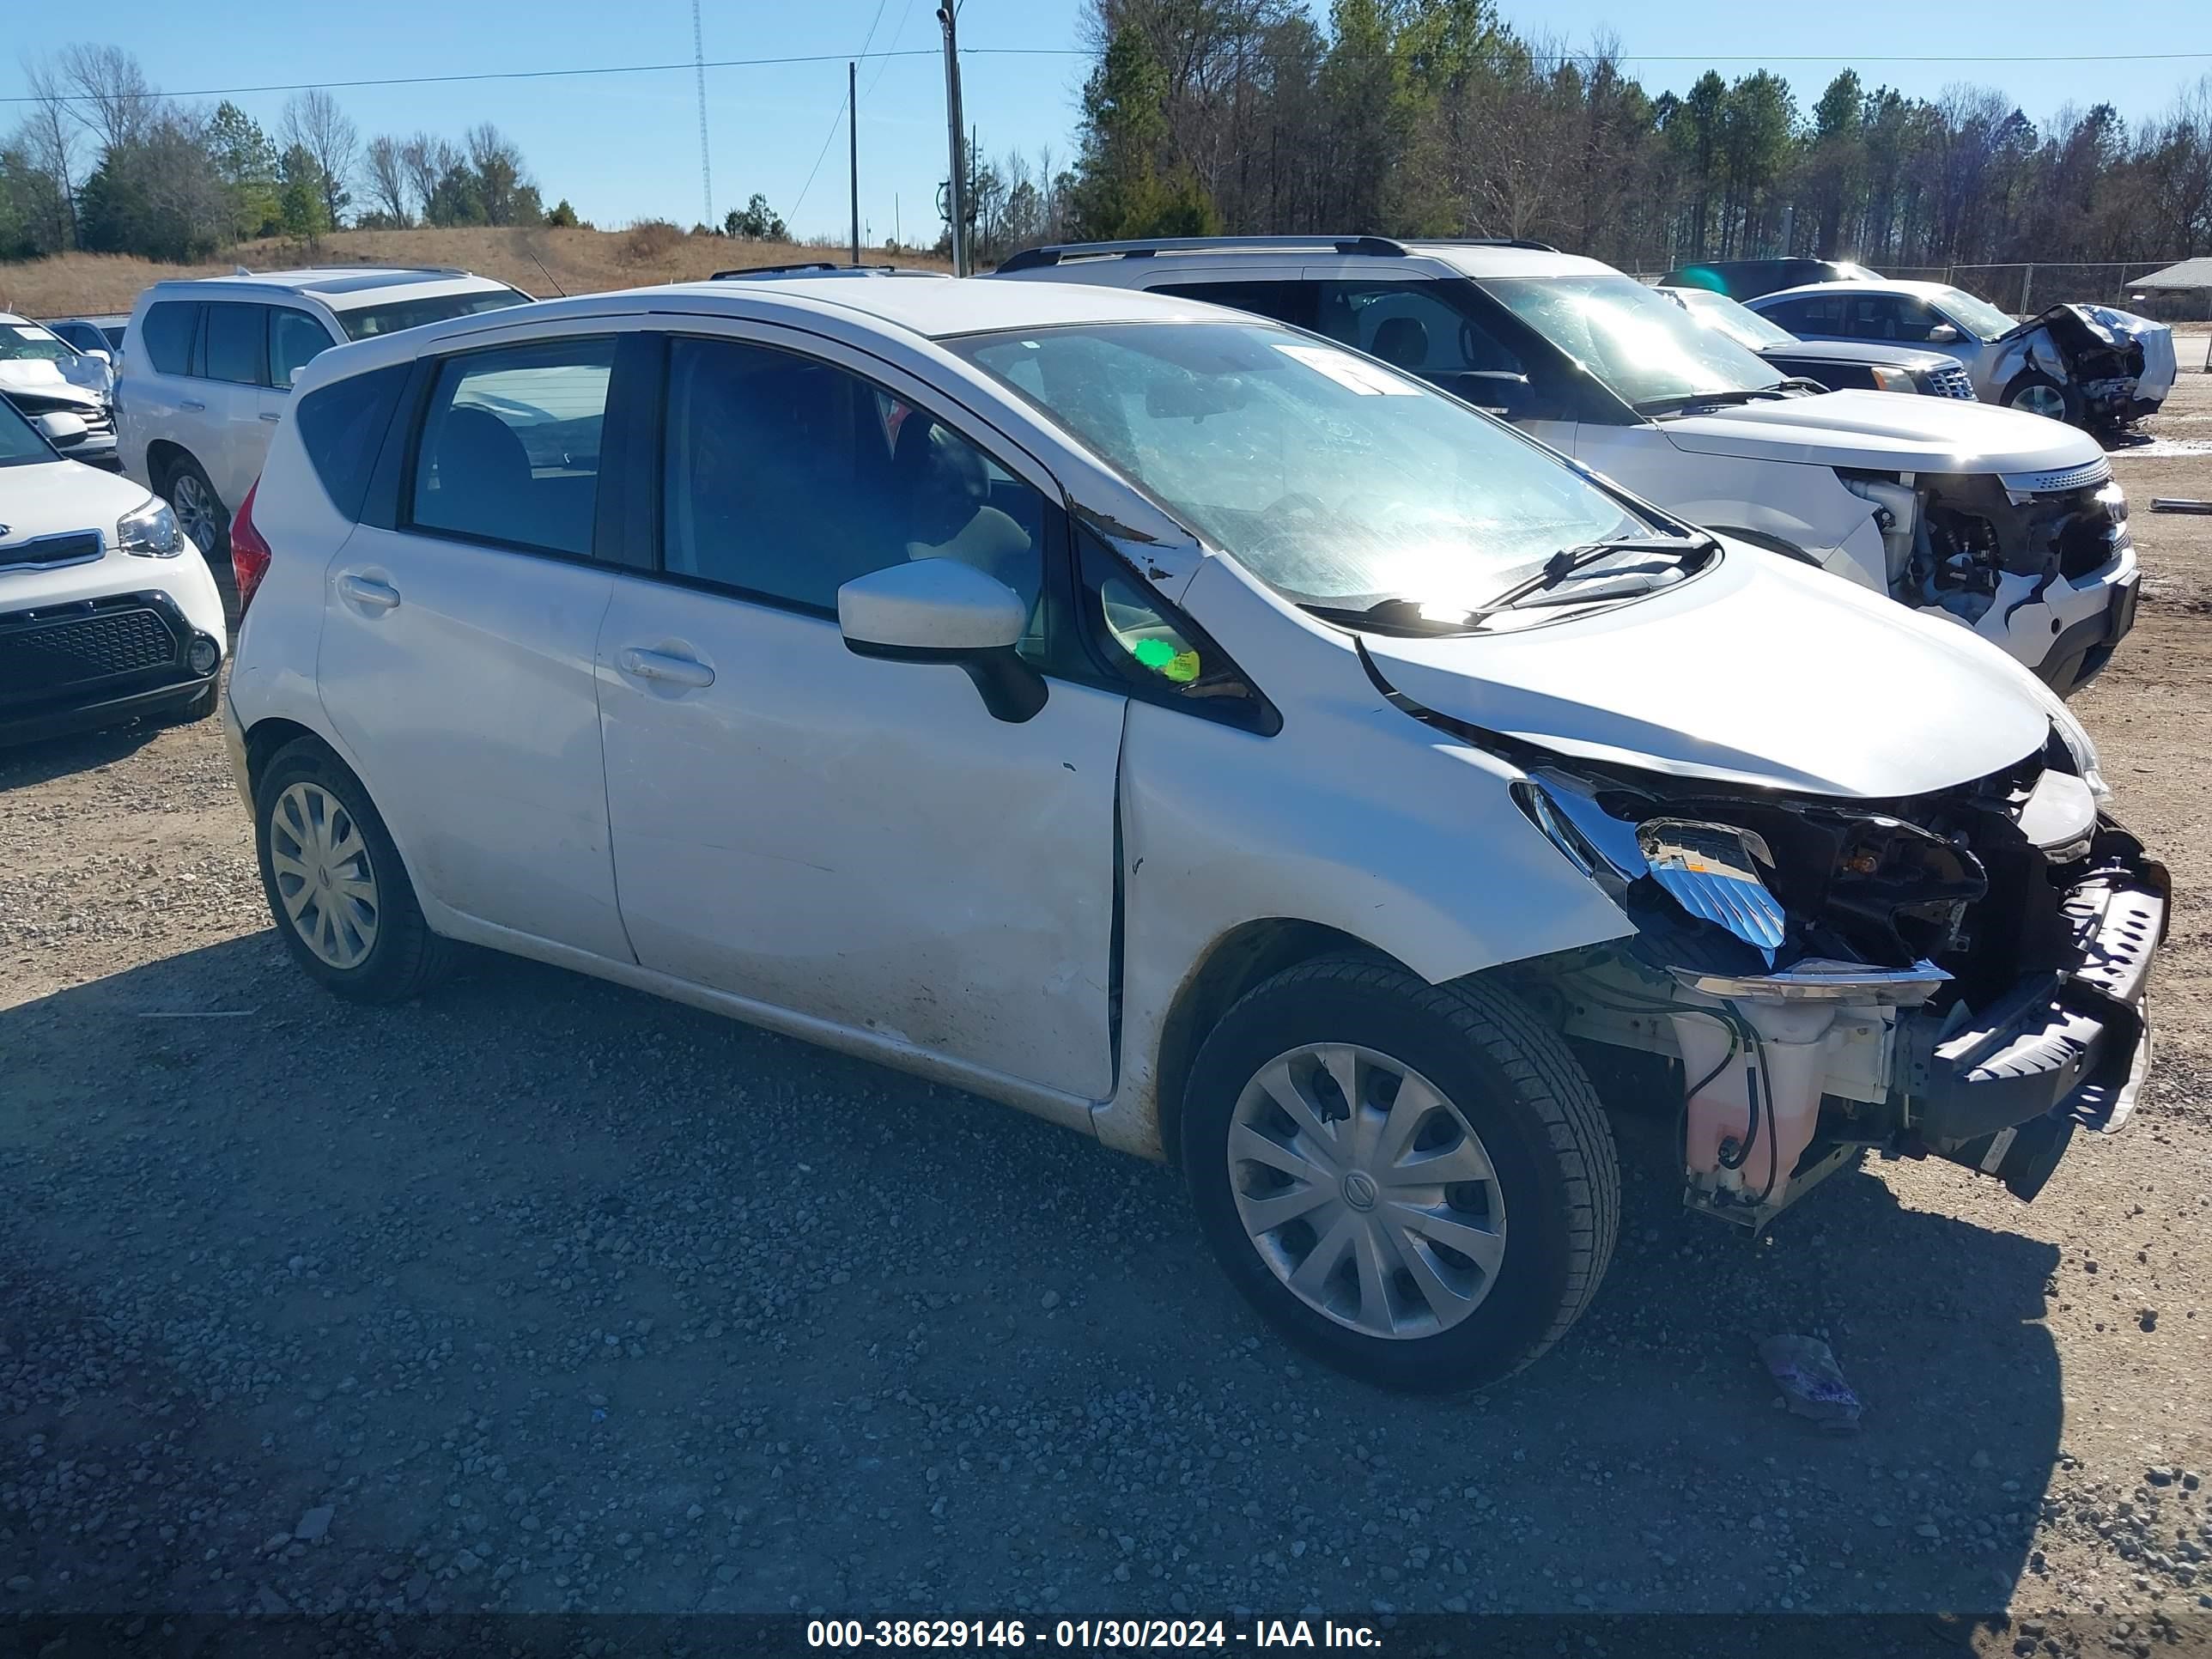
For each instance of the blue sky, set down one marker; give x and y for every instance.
(625, 147)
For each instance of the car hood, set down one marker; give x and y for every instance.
(46, 380)
(1886, 433)
(50, 498)
(1758, 671)
(1863, 351)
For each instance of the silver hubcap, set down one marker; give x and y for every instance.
(2045, 400)
(324, 878)
(196, 511)
(1365, 1192)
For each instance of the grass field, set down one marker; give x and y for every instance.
(540, 262)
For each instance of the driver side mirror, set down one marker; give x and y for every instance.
(944, 610)
(1495, 391)
(1943, 334)
(100, 355)
(59, 429)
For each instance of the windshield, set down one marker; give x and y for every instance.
(1639, 343)
(1337, 481)
(363, 321)
(1740, 322)
(1977, 316)
(22, 343)
(19, 440)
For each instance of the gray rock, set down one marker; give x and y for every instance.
(314, 1525)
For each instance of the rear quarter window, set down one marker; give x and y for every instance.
(342, 429)
(168, 335)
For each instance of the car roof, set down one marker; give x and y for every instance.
(342, 286)
(1917, 289)
(1471, 258)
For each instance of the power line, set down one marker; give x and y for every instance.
(867, 40)
(1078, 51)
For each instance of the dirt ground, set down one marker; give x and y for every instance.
(541, 1295)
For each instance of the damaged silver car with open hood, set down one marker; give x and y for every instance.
(2091, 365)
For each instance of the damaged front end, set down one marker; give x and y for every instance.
(2087, 364)
(2042, 563)
(1963, 973)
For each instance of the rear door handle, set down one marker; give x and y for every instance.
(272, 416)
(659, 666)
(366, 589)
(189, 403)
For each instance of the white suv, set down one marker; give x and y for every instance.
(1189, 731)
(2006, 525)
(208, 365)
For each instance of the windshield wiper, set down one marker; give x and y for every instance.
(1397, 615)
(1682, 400)
(1567, 561)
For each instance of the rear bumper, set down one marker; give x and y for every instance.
(2075, 1045)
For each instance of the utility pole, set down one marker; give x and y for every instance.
(957, 186)
(852, 135)
(699, 68)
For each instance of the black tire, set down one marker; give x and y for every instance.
(2033, 385)
(404, 957)
(182, 475)
(1515, 1085)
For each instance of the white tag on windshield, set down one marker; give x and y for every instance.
(30, 333)
(1367, 379)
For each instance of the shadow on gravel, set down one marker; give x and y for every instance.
(560, 1297)
(23, 766)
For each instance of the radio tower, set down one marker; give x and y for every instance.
(699, 65)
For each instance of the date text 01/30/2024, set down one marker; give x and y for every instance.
(1086, 1633)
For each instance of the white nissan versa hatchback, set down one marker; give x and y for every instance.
(1183, 728)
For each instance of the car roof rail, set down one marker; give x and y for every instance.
(1052, 253)
(821, 267)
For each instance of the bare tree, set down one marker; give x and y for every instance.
(425, 158)
(496, 161)
(48, 141)
(388, 177)
(314, 122)
(109, 93)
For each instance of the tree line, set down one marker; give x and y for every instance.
(105, 163)
(1432, 118)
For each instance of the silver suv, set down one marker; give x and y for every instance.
(208, 367)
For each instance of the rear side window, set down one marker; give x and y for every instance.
(509, 450)
(1288, 300)
(366, 322)
(342, 426)
(168, 333)
(296, 339)
(235, 347)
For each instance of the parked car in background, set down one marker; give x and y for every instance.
(2005, 523)
(1746, 279)
(92, 334)
(107, 612)
(2089, 366)
(1191, 730)
(22, 340)
(1834, 365)
(208, 365)
(43, 374)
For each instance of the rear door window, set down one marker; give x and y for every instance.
(1290, 301)
(509, 447)
(168, 333)
(236, 348)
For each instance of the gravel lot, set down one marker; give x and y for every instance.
(541, 1295)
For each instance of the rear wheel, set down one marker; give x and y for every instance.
(199, 511)
(2038, 394)
(1414, 1183)
(335, 887)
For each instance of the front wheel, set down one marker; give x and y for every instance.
(1415, 1183)
(2038, 394)
(199, 512)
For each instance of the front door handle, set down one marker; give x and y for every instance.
(660, 666)
(367, 590)
(272, 416)
(190, 403)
